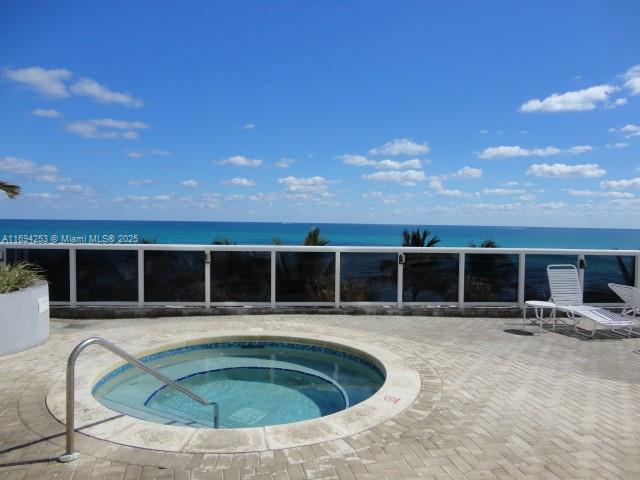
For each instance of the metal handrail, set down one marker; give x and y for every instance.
(70, 455)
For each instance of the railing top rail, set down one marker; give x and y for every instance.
(331, 248)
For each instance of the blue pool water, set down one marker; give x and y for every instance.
(255, 384)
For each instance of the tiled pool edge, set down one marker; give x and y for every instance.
(401, 388)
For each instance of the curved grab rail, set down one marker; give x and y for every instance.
(70, 455)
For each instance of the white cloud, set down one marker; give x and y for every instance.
(248, 126)
(469, 172)
(153, 152)
(87, 87)
(189, 184)
(144, 181)
(357, 160)
(617, 145)
(241, 182)
(106, 129)
(578, 149)
(580, 100)
(362, 161)
(43, 195)
(284, 162)
(305, 185)
(503, 191)
(21, 166)
(621, 184)
(632, 79)
(590, 193)
(46, 82)
(553, 205)
(234, 197)
(51, 178)
(527, 197)
(508, 151)
(75, 188)
(240, 161)
(563, 170)
(46, 113)
(406, 177)
(629, 130)
(401, 146)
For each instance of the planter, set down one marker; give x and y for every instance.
(24, 318)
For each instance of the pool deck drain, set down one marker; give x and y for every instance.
(547, 406)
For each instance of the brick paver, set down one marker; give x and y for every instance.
(548, 406)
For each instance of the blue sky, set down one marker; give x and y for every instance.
(462, 112)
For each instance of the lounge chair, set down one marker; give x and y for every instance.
(566, 294)
(631, 298)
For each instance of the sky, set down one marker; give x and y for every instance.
(438, 112)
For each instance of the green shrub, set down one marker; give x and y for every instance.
(19, 275)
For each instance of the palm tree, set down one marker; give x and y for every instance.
(417, 238)
(313, 238)
(485, 244)
(223, 241)
(10, 189)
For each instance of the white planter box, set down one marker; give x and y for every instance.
(24, 318)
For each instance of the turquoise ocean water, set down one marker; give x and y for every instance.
(336, 233)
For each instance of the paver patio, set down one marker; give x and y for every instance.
(549, 406)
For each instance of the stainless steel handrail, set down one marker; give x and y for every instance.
(70, 455)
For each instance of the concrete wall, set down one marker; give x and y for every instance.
(24, 318)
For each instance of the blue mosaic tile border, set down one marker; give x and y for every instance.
(240, 344)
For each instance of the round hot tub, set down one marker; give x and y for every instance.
(255, 383)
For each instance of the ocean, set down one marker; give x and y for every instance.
(258, 233)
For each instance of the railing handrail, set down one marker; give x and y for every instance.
(326, 248)
(70, 455)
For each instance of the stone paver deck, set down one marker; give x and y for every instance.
(549, 406)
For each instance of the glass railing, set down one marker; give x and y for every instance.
(206, 275)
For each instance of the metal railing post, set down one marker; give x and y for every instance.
(461, 266)
(521, 279)
(400, 285)
(207, 278)
(140, 277)
(70, 454)
(73, 286)
(337, 280)
(273, 278)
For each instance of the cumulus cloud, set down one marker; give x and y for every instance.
(240, 161)
(21, 166)
(284, 162)
(578, 149)
(591, 193)
(468, 172)
(87, 87)
(632, 79)
(503, 191)
(509, 151)
(145, 153)
(144, 181)
(589, 170)
(241, 182)
(305, 185)
(406, 177)
(106, 129)
(75, 188)
(621, 184)
(49, 83)
(629, 130)
(617, 145)
(576, 101)
(401, 146)
(189, 184)
(362, 161)
(248, 126)
(46, 113)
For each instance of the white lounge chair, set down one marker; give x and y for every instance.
(566, 294)
(631, 298)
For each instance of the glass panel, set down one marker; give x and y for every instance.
(536, 285)
(240, 276)
(430, 277)
(175, 276)
(368, 277)
(602, 270)
(54, 264)
(107, 275)
(491, 277)
(305, 277)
